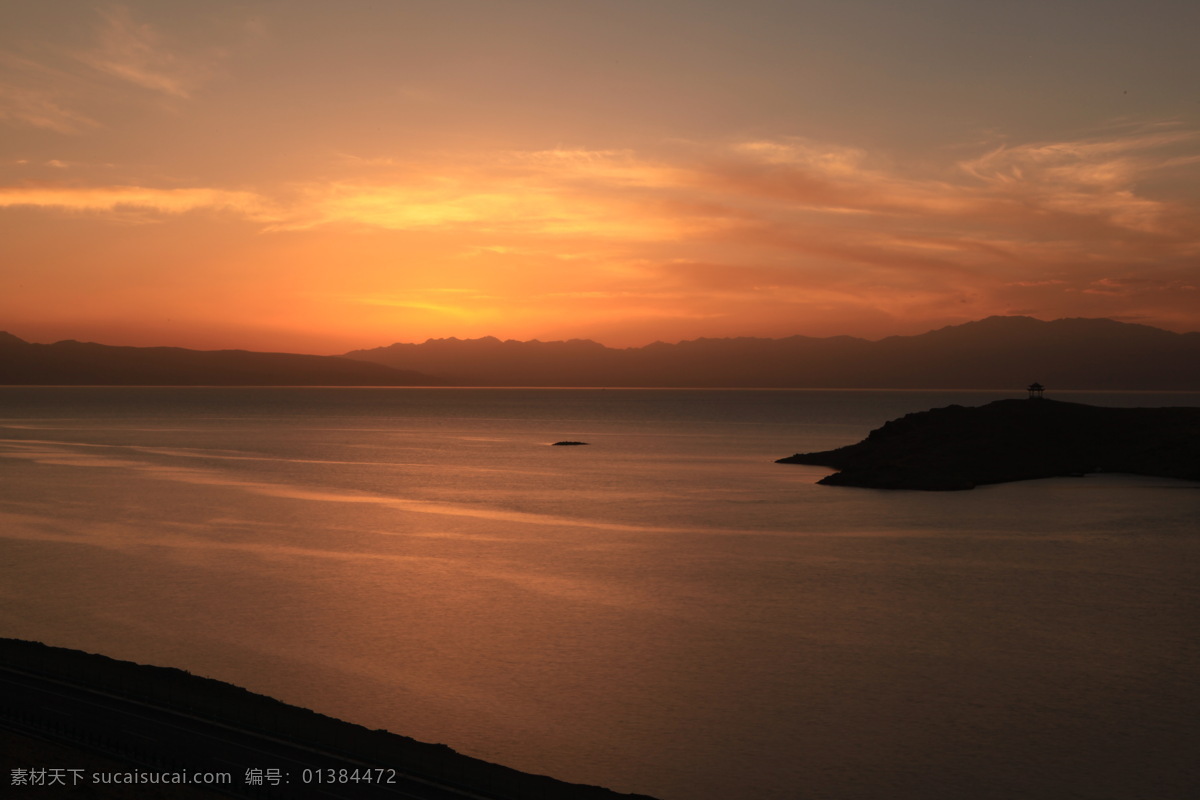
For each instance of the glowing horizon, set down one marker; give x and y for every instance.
(282, 177)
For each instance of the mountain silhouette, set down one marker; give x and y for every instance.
(86, 363)
(990, 353)
(993, 353)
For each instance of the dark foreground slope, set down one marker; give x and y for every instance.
(161, 720)
(1011, 440)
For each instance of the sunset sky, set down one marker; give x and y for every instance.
(310, 176)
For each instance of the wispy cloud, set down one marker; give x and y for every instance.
(37, 95)
(1008, 204)
(139, 53)
(508, 195)
(64, 88)
(36, 108)
(133, 198)
(765, 229)
(1093, 178)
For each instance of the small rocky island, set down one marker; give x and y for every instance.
(959, 447)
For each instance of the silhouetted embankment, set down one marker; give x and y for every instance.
(239, 714)
(1012, 440)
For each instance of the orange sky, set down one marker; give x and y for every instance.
(318, 177)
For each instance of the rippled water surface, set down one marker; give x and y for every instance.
(664, 611)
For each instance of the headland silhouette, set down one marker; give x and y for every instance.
(959, 447)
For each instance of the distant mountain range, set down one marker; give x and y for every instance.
(994, 353)
(997, 352)
(72, 363)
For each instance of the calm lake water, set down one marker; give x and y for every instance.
(665, 611)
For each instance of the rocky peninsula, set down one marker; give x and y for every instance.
(958, 447)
